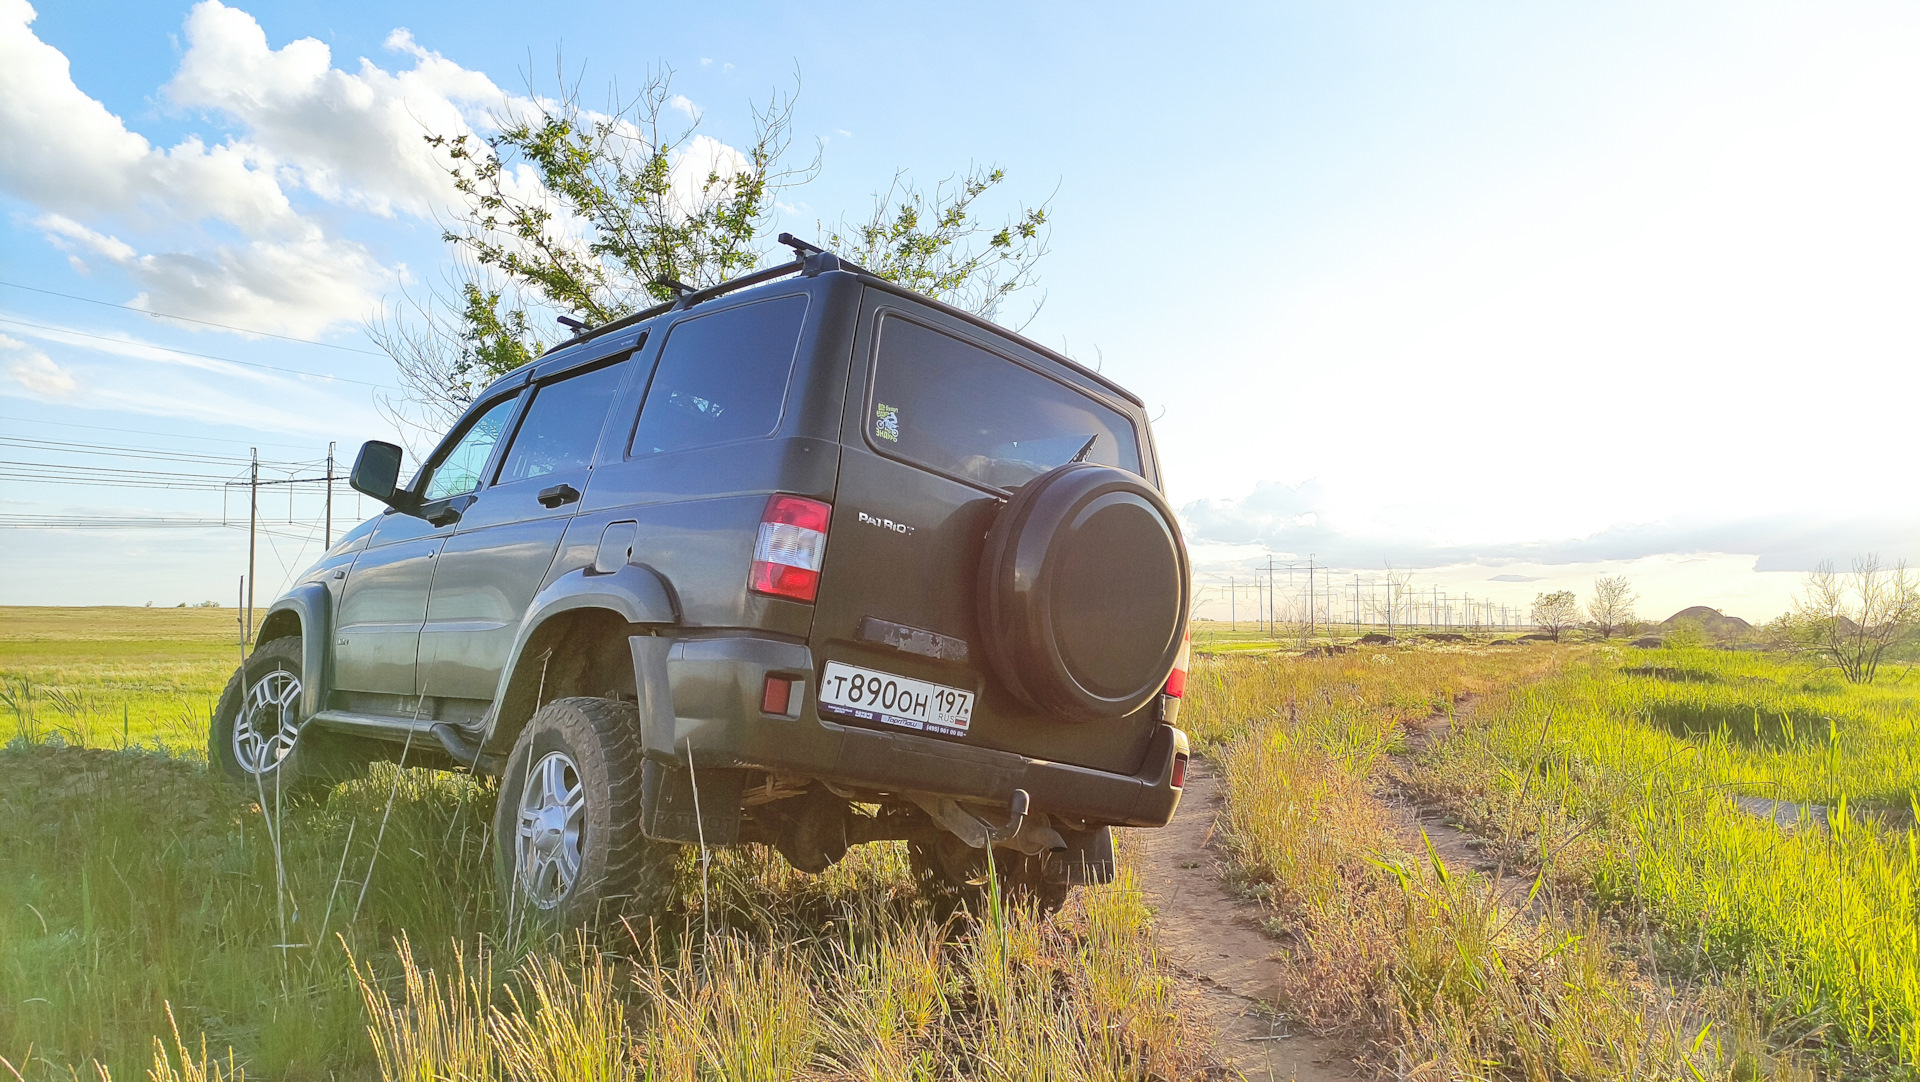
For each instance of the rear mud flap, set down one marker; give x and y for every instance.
(1088, 856)
(669, 796)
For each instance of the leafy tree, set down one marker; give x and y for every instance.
(1849, 621)
(1556, 612)
(1612, 604)
(592, 215)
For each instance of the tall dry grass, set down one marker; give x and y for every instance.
(1011, 996)
(1450, 974)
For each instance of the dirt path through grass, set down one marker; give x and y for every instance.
(1215, 942)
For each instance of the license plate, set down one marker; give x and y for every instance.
(869, 695)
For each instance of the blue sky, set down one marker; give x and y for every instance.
(1507, 293)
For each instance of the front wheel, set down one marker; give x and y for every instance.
(257, 738)
(567, 828)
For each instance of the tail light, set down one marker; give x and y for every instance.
(787, 554)
(1177, 680)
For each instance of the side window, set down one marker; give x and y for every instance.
(458, 472)
(944, 402)
(721, 377)
(562, 425)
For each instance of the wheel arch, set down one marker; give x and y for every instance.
(574, 640)
(306, 611)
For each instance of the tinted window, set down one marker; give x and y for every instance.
(459, 471)
(949, 404)
(562, 425)
(721, 377)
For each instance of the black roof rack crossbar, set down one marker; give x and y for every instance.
(688, 297)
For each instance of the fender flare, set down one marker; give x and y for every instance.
(636, 592)
(312, 606)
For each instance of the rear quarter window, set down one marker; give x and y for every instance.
(721, 377)
(945, 403)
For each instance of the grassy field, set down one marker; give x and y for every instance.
(137, 893)
(1650, 930)
(1449, 975)
(1624, 773)
(112, 677)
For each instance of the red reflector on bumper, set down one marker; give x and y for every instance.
(1179, 772)
(778, 694)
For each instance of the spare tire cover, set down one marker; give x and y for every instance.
(1084, 591)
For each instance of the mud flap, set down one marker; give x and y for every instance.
(669, 795)
(1088, 857)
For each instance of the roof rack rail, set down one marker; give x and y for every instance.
(810, 258)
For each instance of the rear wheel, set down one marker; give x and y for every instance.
(567, 828)
(258, 737)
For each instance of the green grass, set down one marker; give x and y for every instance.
(113, 677)
(1449, 974)
(137, 893)
(1620, 775)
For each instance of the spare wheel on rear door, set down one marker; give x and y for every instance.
(1084, 591)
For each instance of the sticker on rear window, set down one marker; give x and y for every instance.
(886, 422)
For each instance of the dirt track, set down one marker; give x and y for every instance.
(1215, 941)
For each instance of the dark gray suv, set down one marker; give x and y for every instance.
(804, 559)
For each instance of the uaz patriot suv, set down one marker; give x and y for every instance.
(804, 559)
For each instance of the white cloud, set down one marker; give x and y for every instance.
(299, 287)
(352, 138)
(66, 234)
(685, 105)
(67, 154)
(121, 372)
(168, 217)
(35, 371)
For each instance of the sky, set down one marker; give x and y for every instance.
(1503, 296)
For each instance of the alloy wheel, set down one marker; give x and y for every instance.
(553, 806)
(269, 722)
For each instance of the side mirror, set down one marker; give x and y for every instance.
(376, 472)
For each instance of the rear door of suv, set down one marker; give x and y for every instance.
(945, 418)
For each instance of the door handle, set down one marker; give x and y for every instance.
(557, 495)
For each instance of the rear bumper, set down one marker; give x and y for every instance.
(716, 720)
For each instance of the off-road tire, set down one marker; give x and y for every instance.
(622, 872)
(317, 761)
(1039, 881)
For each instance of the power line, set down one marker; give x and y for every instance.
(191, 353)
(110, 451)
(147, 432)
(190, 319)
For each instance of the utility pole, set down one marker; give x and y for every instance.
(328, 536)
(253, 522)
(1311, 614)
(1273, 609)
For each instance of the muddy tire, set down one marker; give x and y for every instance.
(258, 738)
(567, 828)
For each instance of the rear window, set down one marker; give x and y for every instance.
(721, 377)
(946, 403)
